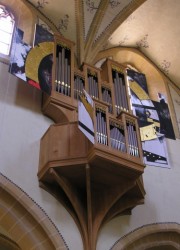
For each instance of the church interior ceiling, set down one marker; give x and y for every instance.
(150, 26)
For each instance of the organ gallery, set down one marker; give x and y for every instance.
(89, 117)
(94, 170)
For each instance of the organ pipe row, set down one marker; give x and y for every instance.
(121, 102)
(132, 138)
(106, 97)
(79, 85)
(93, 86)
(101, 126)
(63, 82)
(63, 70)
(117, 136)
(122, 136)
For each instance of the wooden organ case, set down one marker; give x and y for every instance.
(95, 182)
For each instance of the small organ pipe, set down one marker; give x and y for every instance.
(132, 139)
(129, 138)
(69, 80)
(78, 86)
(62, 70)
(116, 96)
(124, 94)
(136, 141)
(119, 91)
(65, 76)
(56, 73)
(59, 72)
(101, 127)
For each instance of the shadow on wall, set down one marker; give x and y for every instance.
(16, 92)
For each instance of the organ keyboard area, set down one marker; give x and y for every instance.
(115, 126)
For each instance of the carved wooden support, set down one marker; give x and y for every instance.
(94, 184)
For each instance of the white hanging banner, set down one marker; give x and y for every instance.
(85, 115)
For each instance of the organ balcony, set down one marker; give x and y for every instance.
(95, 182)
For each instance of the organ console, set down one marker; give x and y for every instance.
(95, 182)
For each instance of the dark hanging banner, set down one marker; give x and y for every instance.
(154, 120)
(33, 64)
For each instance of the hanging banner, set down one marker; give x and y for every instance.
(85, 115)
(33, 64)
(154, 121)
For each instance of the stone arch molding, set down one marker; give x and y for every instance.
(25, 222)
(154, 236)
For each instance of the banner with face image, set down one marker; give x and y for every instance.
(154, 120)
(33, 64)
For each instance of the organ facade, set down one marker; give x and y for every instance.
(94, 181)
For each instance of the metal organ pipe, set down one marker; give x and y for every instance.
(59, 72)
(101, 126)
(69, 80)
(124, 93)
(135, 141)
(78, 86)
(132, 139)
(93, 86)
(121, 102)
(117, 137)
(106, 96)
(63, 71)
(119, 92)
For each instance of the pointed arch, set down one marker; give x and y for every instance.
(152, 236)
(27, 224)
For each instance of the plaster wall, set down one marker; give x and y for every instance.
(21, 127)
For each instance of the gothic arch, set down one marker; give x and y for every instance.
(25, 222)
(151, 237)
(6, 242)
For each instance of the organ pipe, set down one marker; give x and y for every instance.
(121, 101)
(79, 85)
(106, 97)
(117, 136)
(101, 126)
(93, 85)
(63, 70)
(132, 138)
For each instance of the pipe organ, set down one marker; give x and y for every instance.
(99, 181)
